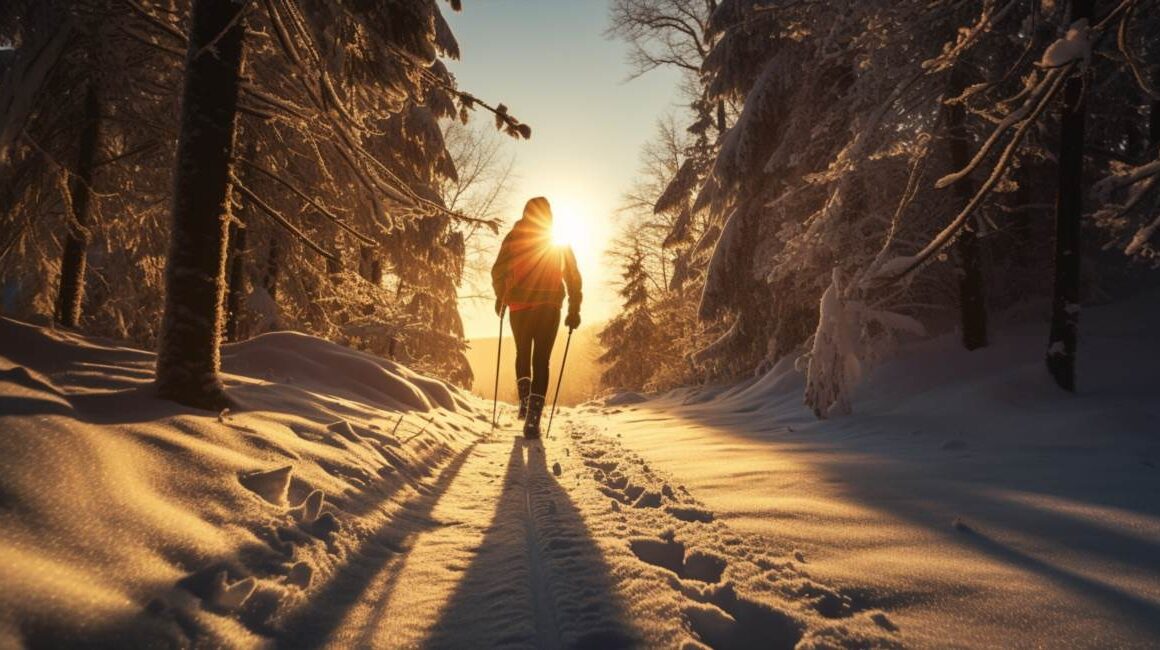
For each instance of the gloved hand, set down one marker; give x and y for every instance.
(499, 306)
(573, 319)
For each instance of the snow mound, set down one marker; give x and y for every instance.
(623, 399)
(1074, 45)
(299, 359)
(128, 521)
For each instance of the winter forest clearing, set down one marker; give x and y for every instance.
(749, 324)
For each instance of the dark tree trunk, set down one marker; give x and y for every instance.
(273, 267)
(238, 252)
(1024, 237)
(72, 264)
(1061, 345)
(237, 280)
(1154, 127)
(972, 305)
(189, 356)
(370, 266)
(377, 272)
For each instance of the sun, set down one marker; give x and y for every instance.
(567, 226)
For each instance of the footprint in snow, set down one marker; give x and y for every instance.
(670, 554)
(272, 485)
(300, 575)
(311, 507)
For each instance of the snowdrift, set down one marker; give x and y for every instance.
(999, 393)
(966, 494)
(127, 520)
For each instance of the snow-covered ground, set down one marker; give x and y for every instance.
(352, 503)
(966, 496)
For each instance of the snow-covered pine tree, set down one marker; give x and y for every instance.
(632, 342)
(673, 34)
(829, 162)
(329, 182)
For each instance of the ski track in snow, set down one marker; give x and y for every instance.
(495, 551)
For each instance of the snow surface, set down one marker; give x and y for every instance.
(967, 496)
(1073, 46)
(349, 502)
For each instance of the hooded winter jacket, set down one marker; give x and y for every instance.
(532, 272)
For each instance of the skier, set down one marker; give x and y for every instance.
(529, 277)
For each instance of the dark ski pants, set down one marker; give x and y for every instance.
(535, 332)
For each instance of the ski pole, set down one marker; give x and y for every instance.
(498, 350)
(558, 382)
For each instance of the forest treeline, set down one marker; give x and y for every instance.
(845, 174)
(179, 172)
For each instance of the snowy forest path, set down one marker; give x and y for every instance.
(570, 542)
(493, 555)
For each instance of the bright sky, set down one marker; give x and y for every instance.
(549, 62)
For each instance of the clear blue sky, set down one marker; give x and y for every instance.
(549, 62)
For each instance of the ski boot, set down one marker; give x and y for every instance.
(532, 423)
(525, 388)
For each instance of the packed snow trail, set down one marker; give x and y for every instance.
(494, 555)
(501, 554)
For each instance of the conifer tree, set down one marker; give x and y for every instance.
(630, 340)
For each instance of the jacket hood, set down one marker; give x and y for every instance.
(537, 213)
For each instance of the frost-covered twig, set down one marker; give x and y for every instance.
(967, 37)
(504, 121)
(282, 221)
(1129, 58)
(1049, 82)
(912, 184)
(305, 197)
(1142, 236)
(901, 266)
(165, 27)
(1106, 185)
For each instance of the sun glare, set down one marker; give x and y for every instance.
(567, 226)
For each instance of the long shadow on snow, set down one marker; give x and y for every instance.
(538, 579)
(313, 624)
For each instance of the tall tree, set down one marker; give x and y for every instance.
(72, 267)
(235, 295)
(1061, 345)
(188, 357)
(972, 306)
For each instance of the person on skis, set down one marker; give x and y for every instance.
(530, 276)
